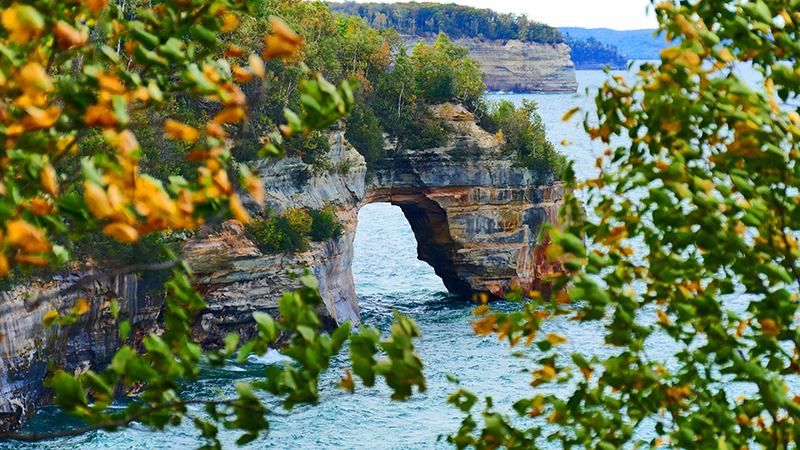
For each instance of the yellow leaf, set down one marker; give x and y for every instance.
(39, 119)
(257, 66)
(238, 210)
(553, 252)
(555, 339)
(256, 189)
(26, 236)
(480, 310)
(23, 22)
(769, 327)
(49, 180)
(97, 200)
(96, 6)
(33, 78)
(81, 307)
(570, 113)
(40, 206)
(240, 75)
(4, 266)
(662, 317)
(122, 232)
(587, 372)
(181, 132)
(546, 373)
(50, 318)
(67, 36)
(229, 23)
(231, 114)
(725, 55)
(282, 42)
(347, 383)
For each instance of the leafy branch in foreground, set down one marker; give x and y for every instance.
(70, 167)
(172, 359)
(693, 243)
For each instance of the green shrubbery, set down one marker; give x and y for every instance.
(523, 133)
(291, 230)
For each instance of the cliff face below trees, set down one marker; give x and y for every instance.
(517, 66)
(475, 215)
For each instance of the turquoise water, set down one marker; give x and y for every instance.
(388, 276)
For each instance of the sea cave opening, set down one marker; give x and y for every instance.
(385, 262)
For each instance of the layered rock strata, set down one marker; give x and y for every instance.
(517, 66)
(28, 347)
(476, 217)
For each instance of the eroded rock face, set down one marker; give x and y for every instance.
(517, 66)
(28, 346)
(475, 215)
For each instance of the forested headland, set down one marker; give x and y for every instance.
(635, 44)
(459, 21)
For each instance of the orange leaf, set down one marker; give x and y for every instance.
(40, 206)
(229, 23)
(181, 132)
(96, 6)
(240, 75)
(231, 114)
(67, 36)
(97, 200)
(233, 52)
(81, 307)
(98, 115)
(23, 22)
(28, 237)
(769, 327)
(49, 180)
(282, 42)
(347, 383)
(122, 232)
(662, 317)
(555, 339)
(238, 210)
(4, 266)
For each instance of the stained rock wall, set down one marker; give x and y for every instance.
(28, 347)
(476, 217)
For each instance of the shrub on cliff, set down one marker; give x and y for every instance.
(523, 134)
(290, 231)
(324, 224)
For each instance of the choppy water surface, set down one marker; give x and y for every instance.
(389, 277)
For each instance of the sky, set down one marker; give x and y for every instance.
(614, 14)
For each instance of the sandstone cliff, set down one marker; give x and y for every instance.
(476, 217)
(517, 66)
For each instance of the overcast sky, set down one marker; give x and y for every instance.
(615, 14)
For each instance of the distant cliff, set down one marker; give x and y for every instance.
(636, 44)
(517, 66)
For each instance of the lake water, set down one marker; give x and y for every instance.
(389, 277)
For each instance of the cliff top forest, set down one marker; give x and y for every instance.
(692, 241)
(459, 21)
(454, 20)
